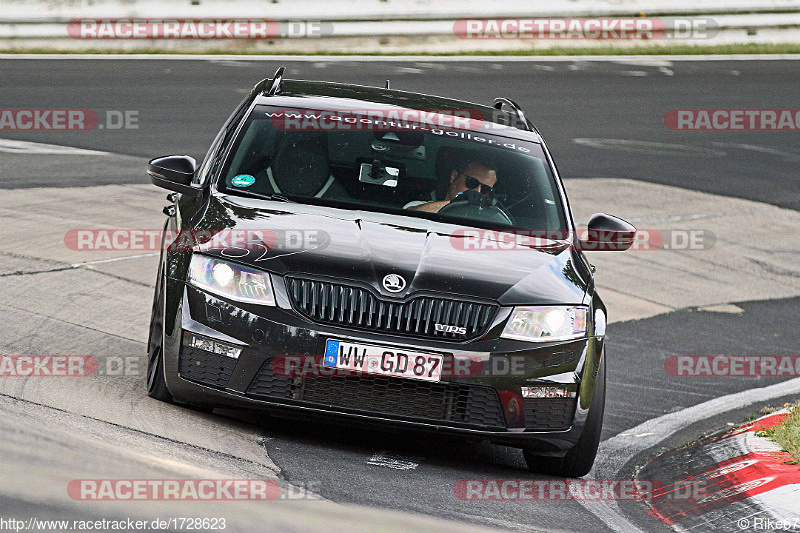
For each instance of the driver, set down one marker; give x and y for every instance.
(470, 174)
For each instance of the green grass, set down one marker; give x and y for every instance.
(788, 434)
(669, 49)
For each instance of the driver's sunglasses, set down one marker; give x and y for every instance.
(473, 183)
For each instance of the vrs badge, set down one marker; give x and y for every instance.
(444, 328)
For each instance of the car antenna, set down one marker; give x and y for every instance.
(277, 82)
(387, 84)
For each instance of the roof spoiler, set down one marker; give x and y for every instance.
(526, 125)
(277, 82)
(270, 86)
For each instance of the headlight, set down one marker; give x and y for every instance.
(236, 282)
(544, 324)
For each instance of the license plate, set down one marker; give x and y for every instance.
(382, 361)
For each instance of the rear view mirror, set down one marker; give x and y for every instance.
(607, 233)
(376, 173)
(174, 173)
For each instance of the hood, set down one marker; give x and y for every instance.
(364, 247)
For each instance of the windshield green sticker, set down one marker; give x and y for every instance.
(243, 180)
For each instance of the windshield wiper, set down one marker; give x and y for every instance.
(275, 197)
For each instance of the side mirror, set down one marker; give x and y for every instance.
(607, 233)
(174, 173)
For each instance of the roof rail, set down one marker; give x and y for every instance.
(498, 104)
(277, 82)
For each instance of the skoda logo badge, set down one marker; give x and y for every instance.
(394, 283)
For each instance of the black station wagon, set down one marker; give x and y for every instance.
(374, 256)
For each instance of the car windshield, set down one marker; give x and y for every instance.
(459, 175)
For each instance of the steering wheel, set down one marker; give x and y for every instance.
(474, 205)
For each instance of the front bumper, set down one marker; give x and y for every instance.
(487, 404)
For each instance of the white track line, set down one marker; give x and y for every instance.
(113, 260)
(393, 460)
(420, 58)
(617, 450)
(32, 148)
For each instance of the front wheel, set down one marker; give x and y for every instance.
(579, 459)
(156, 384)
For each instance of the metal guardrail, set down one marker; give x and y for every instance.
(52, 30)
(358, 25)
(42, 11)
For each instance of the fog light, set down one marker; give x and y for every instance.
(210, 345)
(547, 392)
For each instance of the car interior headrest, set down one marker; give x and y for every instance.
(301, 165)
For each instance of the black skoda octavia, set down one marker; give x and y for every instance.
(382, 257)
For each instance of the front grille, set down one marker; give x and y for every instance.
(409, 399)
(549, 414)
(356, 307)
(205, 367)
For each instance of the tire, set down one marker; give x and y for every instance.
(579, 459)
(156, 384)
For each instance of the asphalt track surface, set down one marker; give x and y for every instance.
(180, 105)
